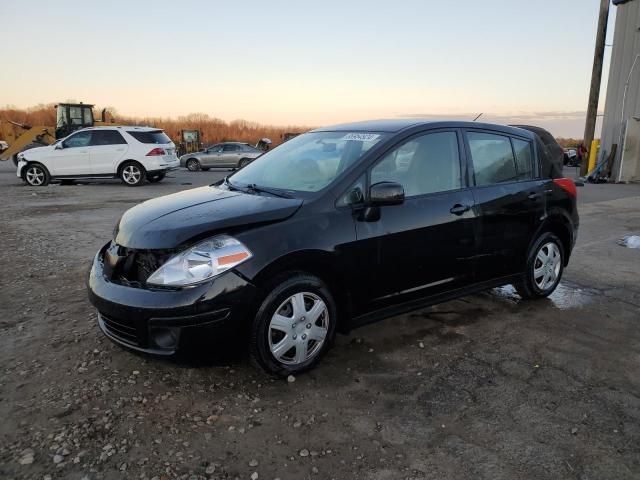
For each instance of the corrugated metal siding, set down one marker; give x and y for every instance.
(626, 45)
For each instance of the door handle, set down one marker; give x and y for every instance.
(534, 196)
(459, 209)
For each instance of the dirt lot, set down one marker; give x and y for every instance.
(486, 387)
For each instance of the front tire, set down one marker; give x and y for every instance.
(193, 165)
(132, 174)
(545, 265)
(36, 175)
(294, 326)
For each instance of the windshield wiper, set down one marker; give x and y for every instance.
(258, 189)
(229, 185)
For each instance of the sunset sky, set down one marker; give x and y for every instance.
(309, 63)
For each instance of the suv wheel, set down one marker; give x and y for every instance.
(545, 266)
(294, 326)
(193, 165)
(36, 175)
(132, 174)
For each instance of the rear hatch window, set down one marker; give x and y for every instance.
(157, 137)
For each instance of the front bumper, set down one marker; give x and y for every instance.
(21, 164)
(162, 321)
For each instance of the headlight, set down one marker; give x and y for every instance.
(201, 262)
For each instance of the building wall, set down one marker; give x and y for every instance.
(626, 45)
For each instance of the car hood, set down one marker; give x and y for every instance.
(36, 151)
(170, 221)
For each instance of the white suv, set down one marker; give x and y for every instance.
(133, 154)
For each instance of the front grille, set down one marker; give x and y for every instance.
(122, 329)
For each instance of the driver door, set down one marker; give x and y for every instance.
(74, 158)
(212, 156)
(426, 245)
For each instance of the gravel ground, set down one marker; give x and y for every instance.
(485, 387)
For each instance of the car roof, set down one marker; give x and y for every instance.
(396, 125)
(125, 127)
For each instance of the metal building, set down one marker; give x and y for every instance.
(621, 124)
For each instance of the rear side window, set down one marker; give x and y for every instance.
(157, 137)
(524, 158)
(106, 137)
(231, 148)
(492, 158)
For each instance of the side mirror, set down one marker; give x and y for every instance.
(59, 146)
(386, 193)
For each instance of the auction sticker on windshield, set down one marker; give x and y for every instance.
(361, 137)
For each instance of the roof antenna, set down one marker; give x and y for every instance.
(478, 116)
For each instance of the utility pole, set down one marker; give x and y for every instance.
(596, 77)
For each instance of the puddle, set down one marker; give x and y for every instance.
(565, 297)
(568, 296)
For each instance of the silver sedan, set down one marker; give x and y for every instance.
(223, 155)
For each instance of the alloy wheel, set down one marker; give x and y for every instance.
(35, 176)
(298, 328)
(546, 267)
(193, 165)
(131, 174)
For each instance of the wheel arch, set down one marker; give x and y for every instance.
(32, 162)
(318, 263)
(124, 162)
(559, 224)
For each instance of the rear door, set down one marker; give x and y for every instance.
(231, 154)
(107, 148)
(73, 159)
(425, 245)
(510, 199)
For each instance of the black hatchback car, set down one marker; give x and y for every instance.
(338, 227)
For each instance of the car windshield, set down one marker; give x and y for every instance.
(308, 162)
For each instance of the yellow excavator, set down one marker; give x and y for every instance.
(69, 118)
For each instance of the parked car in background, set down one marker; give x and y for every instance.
(133, 154)
(221, 155)
(334, 229)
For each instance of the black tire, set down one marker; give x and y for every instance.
(36, 175)
(529, 287)
(193, 165)
(158, 177)
(244, 162)
(278, 291)
(132, 174)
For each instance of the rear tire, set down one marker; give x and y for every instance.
(243, 162)
(300, 311)
(545, 265)
(132, 174)
(36, 175)
(193, 165)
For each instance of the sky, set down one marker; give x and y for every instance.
(307, 63)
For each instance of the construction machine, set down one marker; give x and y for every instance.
(69, 118)
(190, 142)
